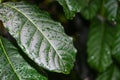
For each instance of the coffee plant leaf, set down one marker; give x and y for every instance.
(99, 45)
(13, 66)
(41, 38)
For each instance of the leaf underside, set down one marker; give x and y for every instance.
(41, 38)
(13, 66)
(99, 45)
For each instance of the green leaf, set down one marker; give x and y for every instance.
(116, 44)
(88, 8)
(41, 38)
(118, 15)
(91, 8)
(71, 7)
(13, 66)
(112, 73)
(111, 7)
(99, 45)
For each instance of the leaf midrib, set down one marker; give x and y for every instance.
(102, 41)
(7, 58)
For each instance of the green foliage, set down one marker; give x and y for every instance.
(44, 41)
(104, 35)
(41, 38)
(70, 7)
(112, 73)
(116, 44)
(111, 7)
(88, 8)
(101, 34)
(91, 8)
(13, 66)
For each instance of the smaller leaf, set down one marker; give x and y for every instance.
(13, 66)
(112, 73)
(71, 7)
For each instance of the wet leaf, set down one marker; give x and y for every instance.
(41, 38)
(13, 66)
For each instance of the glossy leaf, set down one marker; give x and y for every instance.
(13, 66)
(41, 38)
(116, 44)
(112, 73)
(99, 45)
(111, 7)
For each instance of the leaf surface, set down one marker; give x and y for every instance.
(91, 8)
(71, 7)
(41, 38)
(99, 45)
(88, 8)
(111, 7)
(13, 66)
(116, 44)
(112, 73)
(118, 15)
